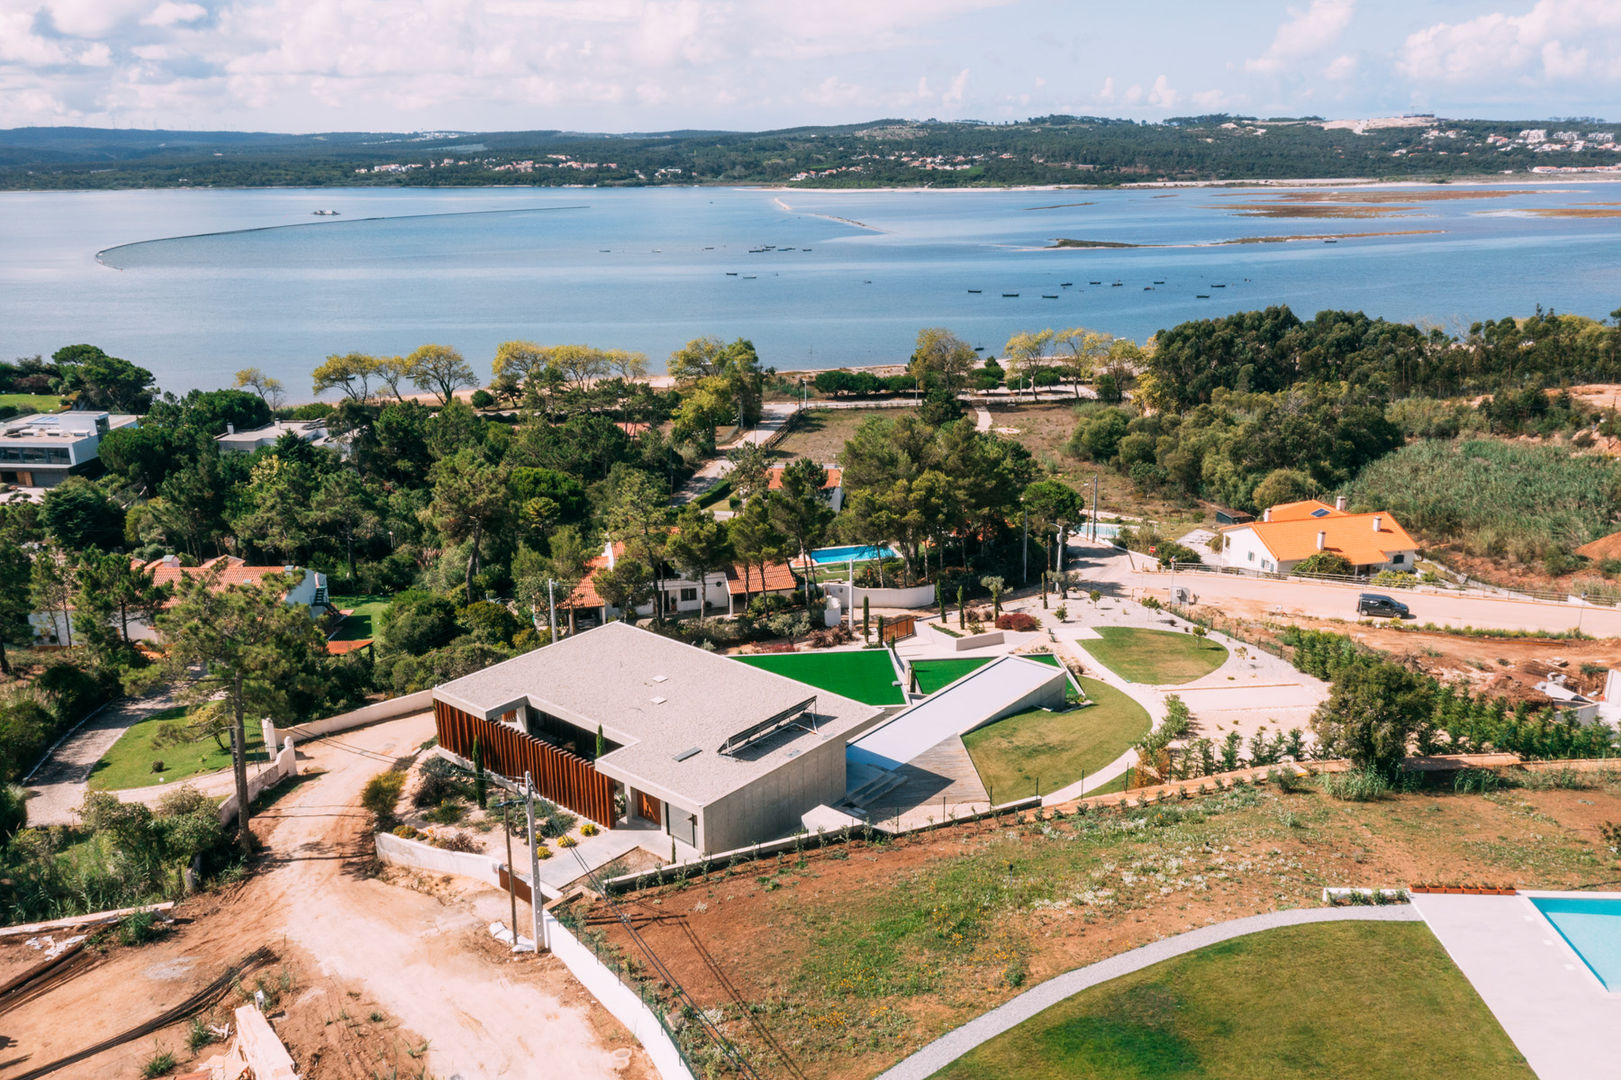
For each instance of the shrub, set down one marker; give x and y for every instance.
(198, 1034)
(1476, 781)
(161, 1063)
(1610, 833)
(1017, 621)
(139, 928)
(456, 841)
(1356, 785)
(436, 787)
(381, 793)
(588, 829)
(447, 813)
(567, 842)
(543, 852)
(407, 832)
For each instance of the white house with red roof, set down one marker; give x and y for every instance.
(723, 591)
(1289, 533)
(308, 590)
(832, 487)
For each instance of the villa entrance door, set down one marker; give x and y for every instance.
(648, 807)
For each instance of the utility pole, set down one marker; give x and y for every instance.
(1094, 507)
(551, 617)
(1024, 539)
(512, 882)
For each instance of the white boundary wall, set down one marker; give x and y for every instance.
(392, 709)
(918, 596)
(284, 765)
(582, 963)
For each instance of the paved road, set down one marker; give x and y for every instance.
(774, 415)
(1128, 574)
(953, 1045)
(57, 787)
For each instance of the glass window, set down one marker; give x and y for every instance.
(689, 594)
(1397, 560)
(681, 824)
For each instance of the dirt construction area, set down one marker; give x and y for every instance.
(374, 975)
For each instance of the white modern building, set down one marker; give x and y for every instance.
(43, 449)
(246, 442)
(635, 730)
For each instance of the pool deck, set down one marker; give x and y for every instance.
(1551, 1005)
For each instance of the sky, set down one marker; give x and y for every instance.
(648, 65)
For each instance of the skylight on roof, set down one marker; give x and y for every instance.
(660, 700)
(1319, 513)
(660, 678)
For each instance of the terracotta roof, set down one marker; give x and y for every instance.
(774, 478)
(1605, 547)
(584, 594)
(339, 648)
(1306, 508)
(1350, 535)
(778, 578)
(233, 571)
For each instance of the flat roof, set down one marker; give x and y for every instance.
(660, 698)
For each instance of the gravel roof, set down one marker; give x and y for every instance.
(660, 698)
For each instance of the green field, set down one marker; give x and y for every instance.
(1155, 657)
(931, 675)
(32, 403)
(129, 763)
(1352, 1001)
(361, 625)
(865, 674)
(1041, 751)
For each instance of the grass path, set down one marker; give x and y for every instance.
(129, 763)
(1155, 657)
(1349, 1000)
(361, 624)
(1055, 749)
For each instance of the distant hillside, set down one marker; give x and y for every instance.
(883, 153)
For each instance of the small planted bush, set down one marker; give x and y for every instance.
(567, 842)
(1017, 621)
(1355, 785)
(380, 795)
(589, 829)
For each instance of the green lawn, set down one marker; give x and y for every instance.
(1055, 749)
(129, 763)
(865, 675)
(931, 675)
(1155, 657)
(361, 624)
(1352, 1001)
(32, 403)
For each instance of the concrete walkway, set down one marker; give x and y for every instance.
(774, 415)
(954, 1044)
(56, 788)
(982, 418)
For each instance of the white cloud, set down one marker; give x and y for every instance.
(1342, 67)
(954, 93)
(1554, 40)
(1106, 93)
(1162, 95)
(1305, 34)
(1210, 100)
(170, 13)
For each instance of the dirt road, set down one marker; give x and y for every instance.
(420, 959)
(1321, 600)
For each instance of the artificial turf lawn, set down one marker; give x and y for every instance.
(128, 764)
(865, 675)
(930, 675)
(361, 623)
(1055, 749)
(1344, 1000)
(1155, 657)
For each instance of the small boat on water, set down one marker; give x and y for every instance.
(324, 213)
(1148, 288)
(1049, 296)
(711, 247)
(749, 277)
(979, 348)
(731, 273)
(1330, 241)
(1159, 283)
(867, 282)
(605, 251)
(1218, 286)
(1010, 295)
(1094, 283)
(1065, 284)
(1201, 296)
(976, 290)
(1116, 284)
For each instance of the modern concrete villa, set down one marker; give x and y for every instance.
(634, 730)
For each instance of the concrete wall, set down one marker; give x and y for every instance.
(284, 765)
(918, 596)
(773, 805)
(977, 641)
(392, 709)
(399, 851)
(1242, 548)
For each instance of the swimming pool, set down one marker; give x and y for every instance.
(1105, 532)
(852, 553)
(1591, 926)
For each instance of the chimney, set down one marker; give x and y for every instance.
(1322, 539)
(1339, 503)
(1266, 515)
(230, 428)
(1377, 520)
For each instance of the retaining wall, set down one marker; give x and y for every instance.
(918, 596)
(977, 641)
(284, 765)
(392, 709)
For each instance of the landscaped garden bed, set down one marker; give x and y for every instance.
(1155, 657)
(1040, 751)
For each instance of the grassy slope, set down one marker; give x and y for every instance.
(1347, 1000)
(821, 433)
(41, 403)
(1155, 657)
(129, 763)
(363, 612)
(1054, 749)
(933, 674)
(865, 675)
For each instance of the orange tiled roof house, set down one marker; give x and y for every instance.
(1292, 532)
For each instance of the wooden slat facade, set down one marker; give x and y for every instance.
(559, 775)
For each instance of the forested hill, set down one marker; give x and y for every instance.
(1045, 150)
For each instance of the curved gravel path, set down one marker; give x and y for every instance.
(57, 785)
(954, 1044)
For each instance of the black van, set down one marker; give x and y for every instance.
(1379, 605)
